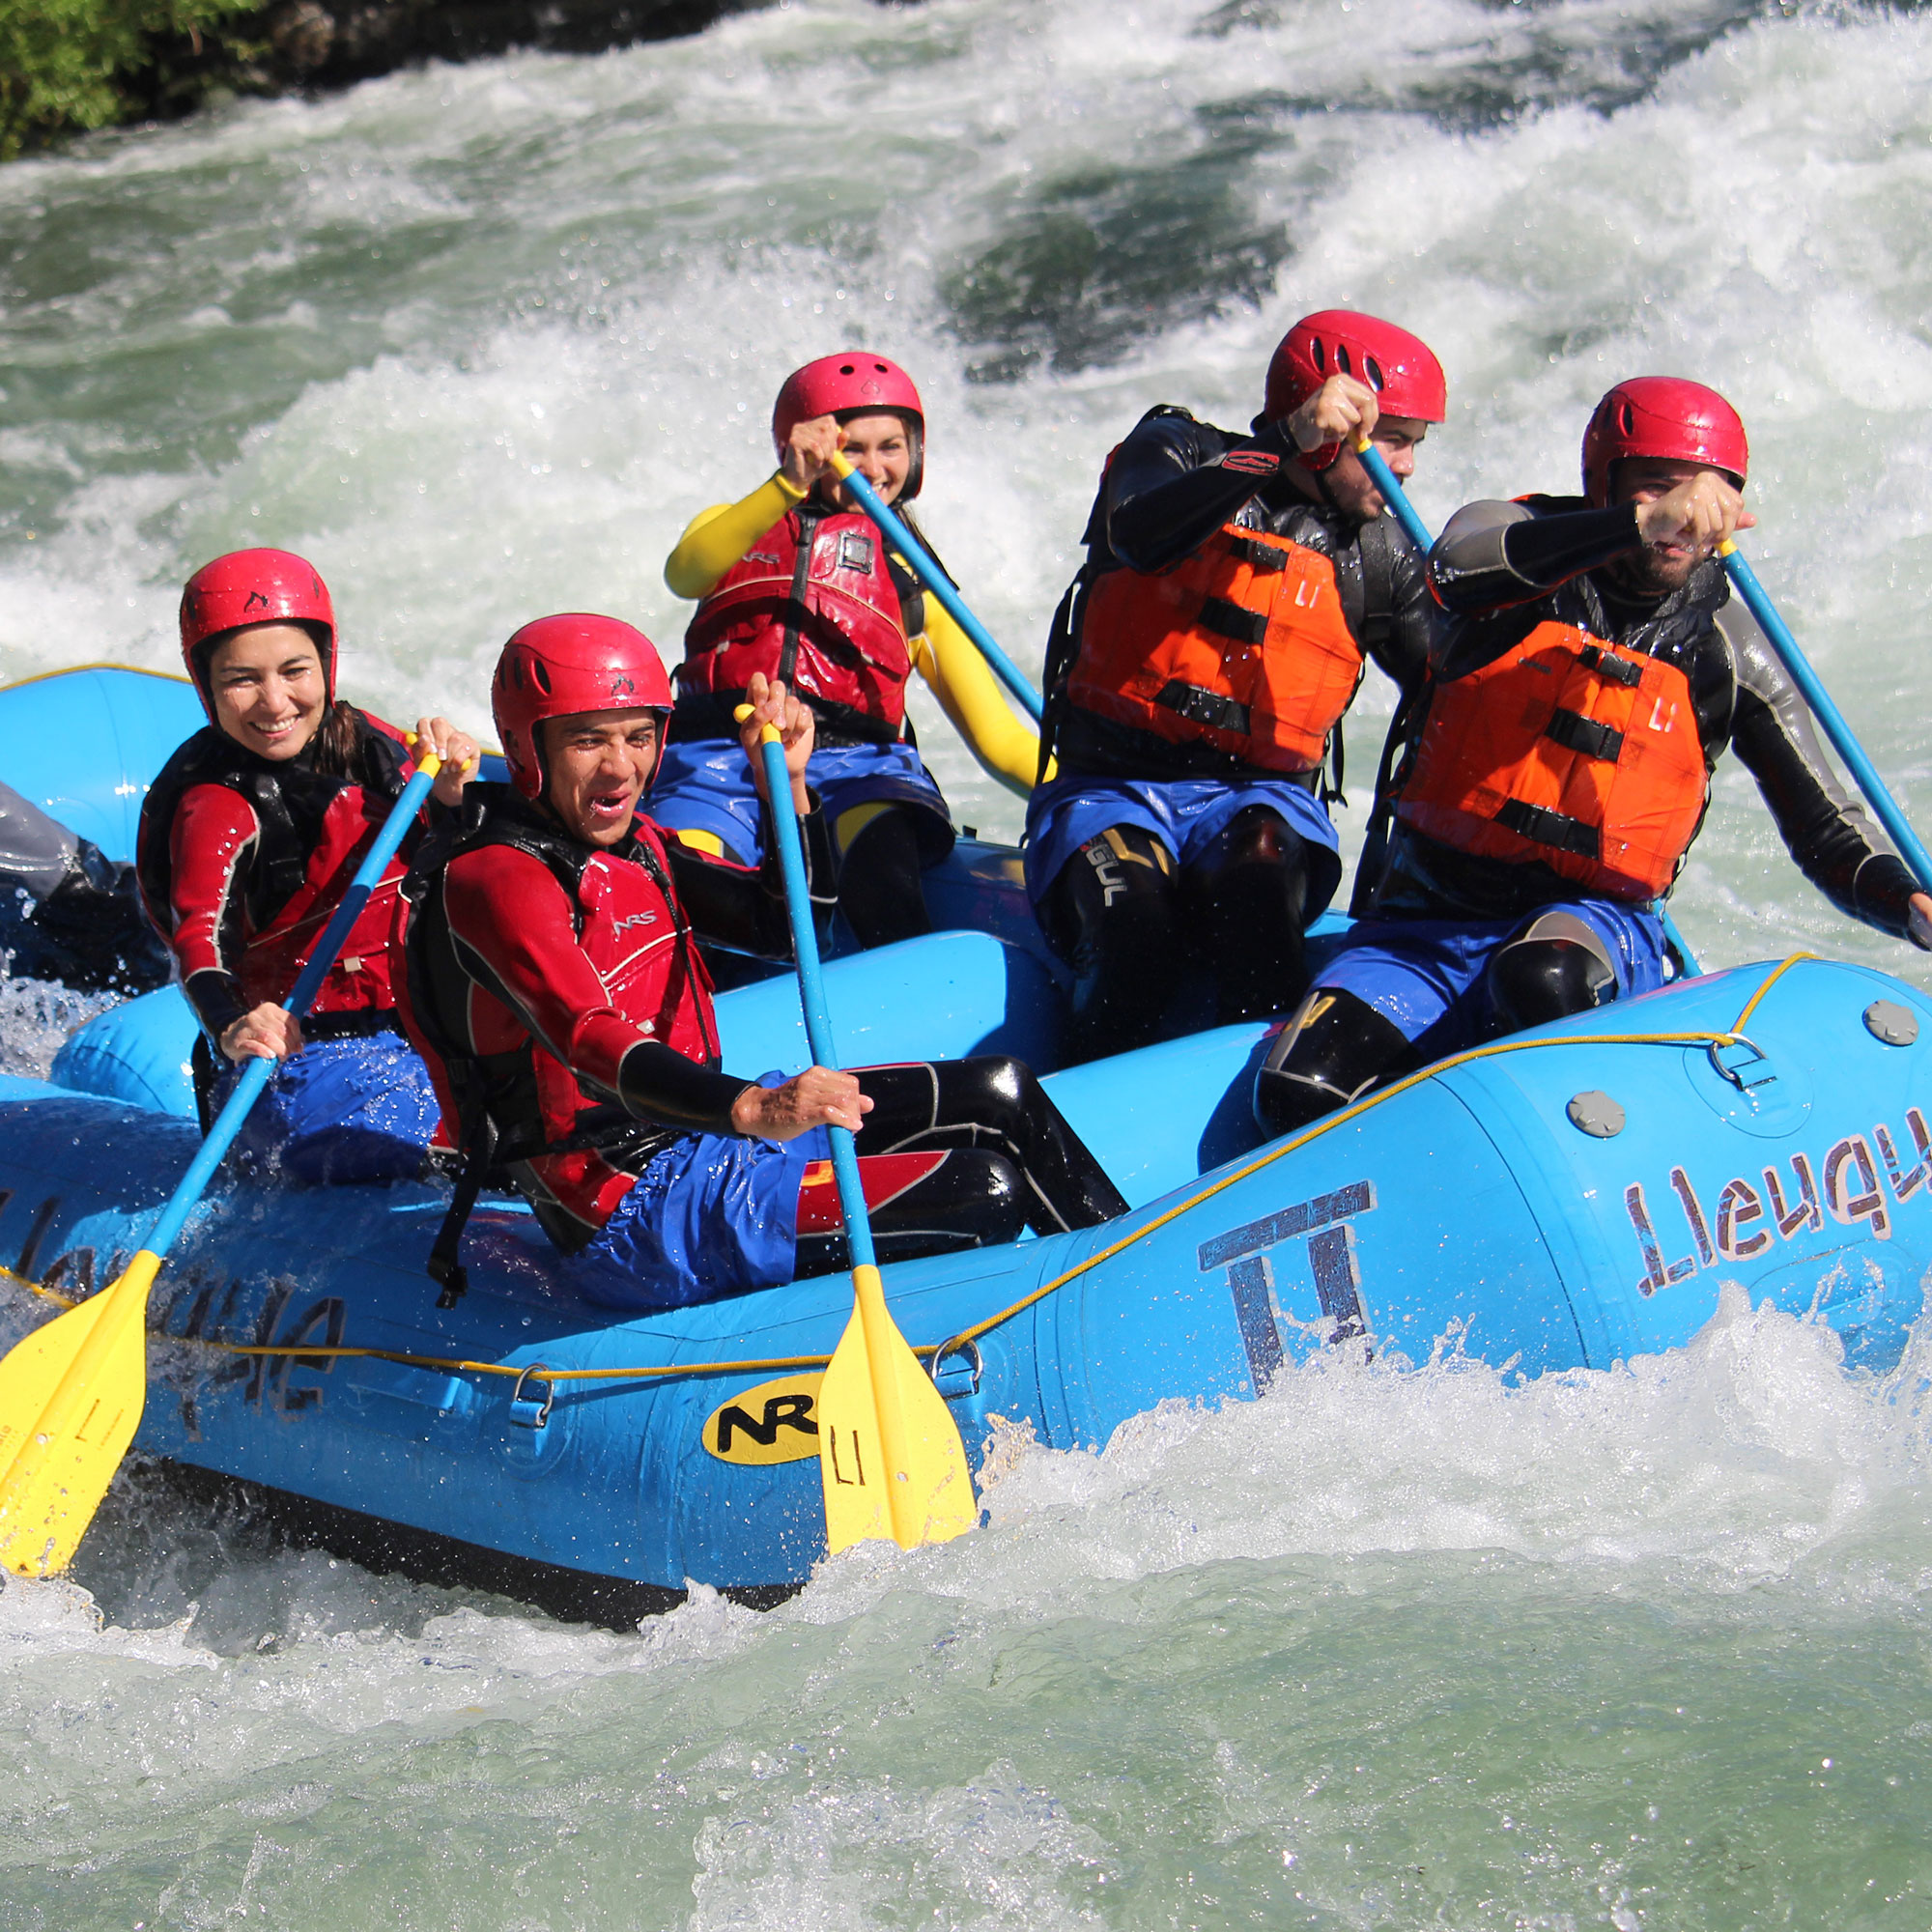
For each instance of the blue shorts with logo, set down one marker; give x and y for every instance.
(704, 785)
(1187, 815)
(340, 1110)
(710, 1216)
(1427, 975)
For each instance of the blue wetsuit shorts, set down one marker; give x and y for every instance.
(704, 785)
(340, 1110)
(1427, 975)
(1187, 815)
(710, 1216)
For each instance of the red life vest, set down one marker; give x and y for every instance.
(253, 906)
(574, 1154)
(1564, 751)
(811, 601)
(1242, 646)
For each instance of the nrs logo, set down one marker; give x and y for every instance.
(776, 1422)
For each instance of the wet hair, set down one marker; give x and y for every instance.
(335, 751)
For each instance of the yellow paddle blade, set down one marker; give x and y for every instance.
(888, 1450)
(70, 1399)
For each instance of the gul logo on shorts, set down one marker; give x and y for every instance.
(776, 1422)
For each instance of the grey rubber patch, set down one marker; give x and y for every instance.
(1597, 1114)
(1888, 1021)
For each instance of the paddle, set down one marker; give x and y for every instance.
(888, 1451)
(936, 581)
(71, 1393)
(1393, 493)
(1745, 580)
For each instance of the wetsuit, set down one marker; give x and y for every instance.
(1178, 813)
(66, 911)
(888, 817)
(567, 1017)
(1483, 924)
(241, 861)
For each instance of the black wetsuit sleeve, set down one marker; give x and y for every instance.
(1168, 488)
(744, 907)
(657, 1083)
(217, 999)
(1828, 834)
(1493, 555)
(1400, 618)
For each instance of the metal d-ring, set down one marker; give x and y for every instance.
(970, 1350)
(518, 1400)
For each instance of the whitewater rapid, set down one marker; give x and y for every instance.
(1644, 1647)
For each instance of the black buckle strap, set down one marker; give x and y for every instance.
(1203, 707)
(1258, 554)
(443, 1266)
(1230, 620)
(1551, 828)
(1585, 734)
(1626, 672)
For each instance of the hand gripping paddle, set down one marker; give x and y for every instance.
(71, 1393)
(888, 1451)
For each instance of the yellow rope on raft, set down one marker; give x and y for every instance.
(299, 1353)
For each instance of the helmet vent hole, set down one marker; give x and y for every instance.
(846, 369)
(1342, 358)
(1320, 354)
(1627, 419)
(540, 675)
(1373, 371)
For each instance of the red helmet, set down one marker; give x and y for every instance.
(255, 587)
(851, 383)
(560, 666)
(1400, 367)
(1662, 415)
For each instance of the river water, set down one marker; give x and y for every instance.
(1639, 1648)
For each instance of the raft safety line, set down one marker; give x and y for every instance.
(663, 1370)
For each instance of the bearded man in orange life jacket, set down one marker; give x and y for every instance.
(1559, 764)
(555, 989)
(1234, 586)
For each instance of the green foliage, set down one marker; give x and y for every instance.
(68, 64)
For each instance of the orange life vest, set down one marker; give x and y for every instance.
(1569, 752)
(1242, 646)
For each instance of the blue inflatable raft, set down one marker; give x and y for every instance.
(1567, 1198)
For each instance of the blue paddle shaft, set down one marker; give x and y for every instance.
(935, 581)
(256, 1074)
(1827, 714)
(811, 993)
(1393, 494)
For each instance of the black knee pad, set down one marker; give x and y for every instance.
(1258, 906)
(880, 888)
(1556, 966)
(1334, 1050)
(1111, 914)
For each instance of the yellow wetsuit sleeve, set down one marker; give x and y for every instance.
(715, 539)
(971, 697)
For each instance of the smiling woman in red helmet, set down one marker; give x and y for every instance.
(249, 840)
(554, 985)
(1595, 673)
(793, 582)
(1234, 586)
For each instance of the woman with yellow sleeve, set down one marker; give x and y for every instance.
(794, 581)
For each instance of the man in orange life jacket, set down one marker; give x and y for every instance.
(1559, 769)
(1214, 638)
(553, 988)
